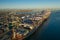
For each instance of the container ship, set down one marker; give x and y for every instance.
(29, 24)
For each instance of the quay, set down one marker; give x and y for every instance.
(20, 26)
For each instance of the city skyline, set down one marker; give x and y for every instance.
(32, 4)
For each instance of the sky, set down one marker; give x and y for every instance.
(25, 4)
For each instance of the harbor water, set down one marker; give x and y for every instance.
(50, 30)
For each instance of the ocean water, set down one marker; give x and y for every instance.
(50, 30)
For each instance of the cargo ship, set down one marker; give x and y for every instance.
(30, 25)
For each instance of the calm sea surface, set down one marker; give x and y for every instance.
(50, 30)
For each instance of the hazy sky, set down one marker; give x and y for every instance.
(23, 4)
